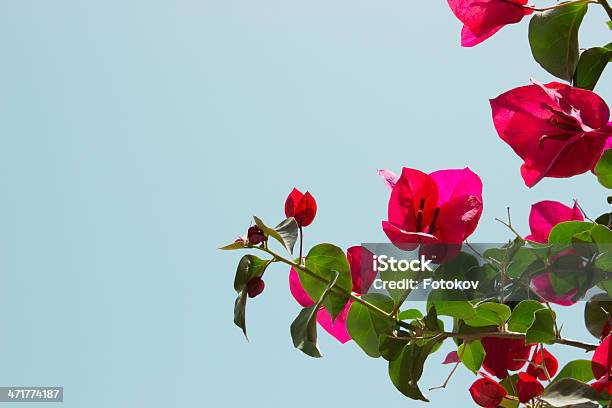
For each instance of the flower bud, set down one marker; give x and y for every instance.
(301, 206)
(255, 235)
(255, 286)
(487, 393)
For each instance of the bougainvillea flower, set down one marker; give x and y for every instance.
(601, 364)
(550, 362)
(503, 355)
(546, 214)
(441, 207)
(542, 218)
(483, 18)
(451, 358)
(487, 393)
(528, 387)
(362, 274)
(301, 206)
(558, 130)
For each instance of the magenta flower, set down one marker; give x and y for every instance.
(483, 18)
(546, 214)
(558, 130)
(542, 218)
(442, 207)
(362, 273)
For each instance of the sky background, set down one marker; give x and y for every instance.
(139, 136)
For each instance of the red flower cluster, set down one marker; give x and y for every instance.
(505, 355)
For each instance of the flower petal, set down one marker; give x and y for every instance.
(545, 215)
(336, 328)
(297, 290)
(362, 268)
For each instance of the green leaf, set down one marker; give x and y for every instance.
(233, 246)
(431, 320)
(407, 369)
(249, 267)
(286, 232)
(324, 260)
(597, 312)
(410, 314)
(472, 355)
(591, 64)
(523, 315)
(390, 347)
(304, 327)
(578, 369)
(567, 392)
(605, 219)
(603, 169)
(488, 314)
(553, 36)
(514, 257)
(450, 303)
(563, 232)
(542, 329)
(240, 312)
(365, 326)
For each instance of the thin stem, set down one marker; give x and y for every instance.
(584, 214)
(606, 6)
(439, 336)
(507, 335)
(301, 242)
(334, 289)
(556, 6)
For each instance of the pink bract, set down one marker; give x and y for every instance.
(546, 214)
(362, 274)
(558, 130)
(483, 18)
(443, 207)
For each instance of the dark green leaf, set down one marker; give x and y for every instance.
(605, 219)
(603, 169)
(553, 36)
(523, 315)
(324, 260)
(249, 267)
(286, 232)
(569, 391)
(240, 311)
(597, 313)
(365, 326)
(472, 355)
(390, 347)
(577, 369)
(304, 327)
(542, 329)
(407, 369)
(410, 314)
(591, 64)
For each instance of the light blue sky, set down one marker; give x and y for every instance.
(138, 136)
